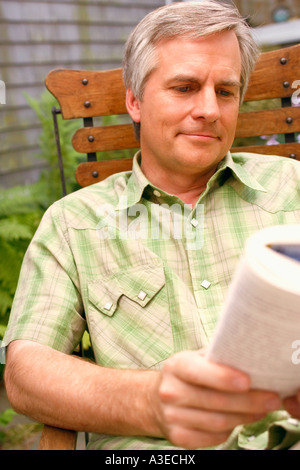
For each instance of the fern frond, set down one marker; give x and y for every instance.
(21, 199)
(10, 265)
(12, 229)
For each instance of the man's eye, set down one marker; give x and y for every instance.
(183, 89)
(225, 92)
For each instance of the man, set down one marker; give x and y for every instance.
(146, 305)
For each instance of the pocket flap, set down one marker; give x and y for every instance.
(104, 296)
(140, 284)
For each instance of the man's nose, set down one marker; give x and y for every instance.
(206, 105)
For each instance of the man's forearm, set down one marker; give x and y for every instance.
(65, 392)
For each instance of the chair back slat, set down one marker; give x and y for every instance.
(268, 122)
(92, 172)
(274, 74)
(285, 150)
(85, 93)
(98, 139)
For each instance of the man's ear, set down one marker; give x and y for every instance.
(133, 106)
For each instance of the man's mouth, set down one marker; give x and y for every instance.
(201, 136)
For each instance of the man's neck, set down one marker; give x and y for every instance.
(186, 187)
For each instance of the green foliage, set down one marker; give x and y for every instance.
(20, 212)
(5, 418)
(48, 151)
(21, 209)
(19, 436)
(16, 436)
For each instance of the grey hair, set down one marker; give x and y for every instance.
(194, 20)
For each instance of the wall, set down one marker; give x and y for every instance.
(37, 36)
(260, 11)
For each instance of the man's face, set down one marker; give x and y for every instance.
(190, 105)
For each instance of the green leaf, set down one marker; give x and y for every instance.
(2, 330)
(7, 416)
(86, 342)
(10, 260)
(6, 299)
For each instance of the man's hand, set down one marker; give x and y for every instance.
(201, 402)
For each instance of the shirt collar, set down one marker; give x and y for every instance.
(135, 187)
(138, 182)
(235, 164)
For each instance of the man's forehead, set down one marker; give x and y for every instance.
(217, 37)
(221, 45)
(184, 56)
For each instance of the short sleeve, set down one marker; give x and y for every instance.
(47, 307)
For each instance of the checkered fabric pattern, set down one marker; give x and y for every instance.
(144, 273)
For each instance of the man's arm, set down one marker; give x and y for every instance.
(66, 392)
(191, 402)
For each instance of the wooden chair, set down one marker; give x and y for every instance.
(90, 94)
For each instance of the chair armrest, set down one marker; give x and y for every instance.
(57, 439)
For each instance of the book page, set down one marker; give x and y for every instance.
(259, 327)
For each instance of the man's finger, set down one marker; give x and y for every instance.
(192, 367)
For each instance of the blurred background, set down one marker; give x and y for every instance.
(37, 36)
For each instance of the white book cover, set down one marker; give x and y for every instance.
(259, 327)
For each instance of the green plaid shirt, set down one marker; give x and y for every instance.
(143, 272)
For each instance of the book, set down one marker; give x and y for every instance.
(258, 330)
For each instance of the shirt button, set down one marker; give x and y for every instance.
(205, 284)
(142, 295)
(194, 222)
(108, 305)
(156, 193)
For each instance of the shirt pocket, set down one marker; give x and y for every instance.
(129, 318)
